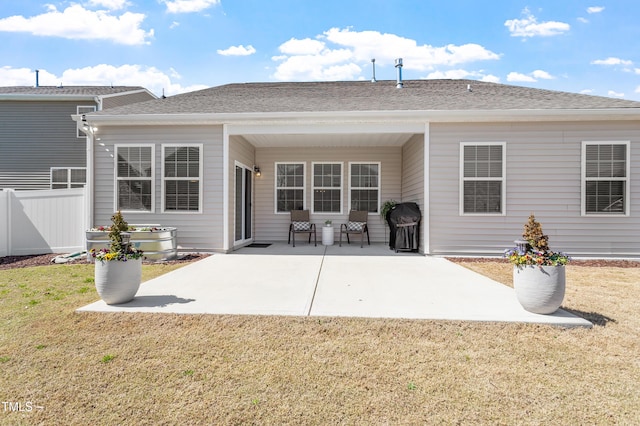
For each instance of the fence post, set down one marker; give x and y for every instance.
(5, 221)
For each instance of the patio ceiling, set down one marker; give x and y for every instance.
(327, 140)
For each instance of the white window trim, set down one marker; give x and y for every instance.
(379, 187)
(200, 171)
(68, 181)
(276, 187)
(626, 179)
(79, 133)
(313, 187)
(152, 178)
(503, 179)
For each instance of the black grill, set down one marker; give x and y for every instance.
(404, 227)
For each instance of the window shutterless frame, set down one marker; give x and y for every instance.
(605, 178)
(365, 184)
(134, 178)
(481, 173)
(326, 187)
(183, 173)
(67, 177)
(290, 186)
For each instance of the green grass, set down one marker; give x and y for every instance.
(120, 368)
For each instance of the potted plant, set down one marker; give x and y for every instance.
(327, 222)
(538, 273)
(118, 268)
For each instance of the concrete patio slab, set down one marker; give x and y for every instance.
(333, 281)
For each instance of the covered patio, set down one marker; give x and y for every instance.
(322, 281)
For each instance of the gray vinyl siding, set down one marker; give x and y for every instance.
(242, 151)
(35, 136)
(543, 163)
(201, 231)
(120, 100)
(413, 177)
(270, 226)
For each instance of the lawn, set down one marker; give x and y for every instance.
(63, 367)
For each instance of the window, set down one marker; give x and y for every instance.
(68, 177)
(289, 187)
(134, 178)
(327, 187)
(364, 186)
(483, 178)
(605, 178)
(181, 176)
(84, 109)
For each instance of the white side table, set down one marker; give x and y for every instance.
(327, 235)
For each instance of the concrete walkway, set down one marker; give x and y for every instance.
(333, 281)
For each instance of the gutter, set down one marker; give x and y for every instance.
(433, 116)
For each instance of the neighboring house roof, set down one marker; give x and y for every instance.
(363, 96)
(66, 92)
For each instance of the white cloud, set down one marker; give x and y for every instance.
(343, 53)
(595, 9)
(516, 76)
(237, 51)
(452, 74)
(174, 24)
(615, 94)
(490, 78)
(530, 27)
(583, 20)
(636, 70)
(586, 91)
(76, 22)
(101, 75)
(532, 77)
(542, 75)
(189, 6)
(637, 89)
(109, 4)
(301, 47)
(612, 61)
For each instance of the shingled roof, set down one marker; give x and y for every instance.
(68, 90)
(417, 95)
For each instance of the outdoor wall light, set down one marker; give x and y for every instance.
(256, 170)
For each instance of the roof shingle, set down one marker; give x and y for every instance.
(417, 95)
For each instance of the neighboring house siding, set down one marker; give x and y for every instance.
(120, 100)
(543, 176)
(202, 231)
(270, 226)
(242, 151)
(413, 177)
(35, 136)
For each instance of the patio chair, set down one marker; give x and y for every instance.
(300, 224)
(357, 224)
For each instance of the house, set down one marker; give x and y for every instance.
(41, 146)
(477, 157)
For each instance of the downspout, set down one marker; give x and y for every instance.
(426, 216)
(226, 232)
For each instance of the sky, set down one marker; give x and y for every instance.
(176, 46)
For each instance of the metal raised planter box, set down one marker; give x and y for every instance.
(157, 243)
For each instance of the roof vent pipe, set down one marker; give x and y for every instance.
(37, 78)
(373, 65)
(399, 68)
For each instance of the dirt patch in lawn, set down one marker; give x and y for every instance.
(10, 262)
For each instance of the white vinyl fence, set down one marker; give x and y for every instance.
(43, 221)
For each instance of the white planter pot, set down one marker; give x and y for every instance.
(116, 281)
(539, 289)
(327, 235)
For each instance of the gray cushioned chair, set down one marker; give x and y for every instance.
(301, 224)
(357, 224)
